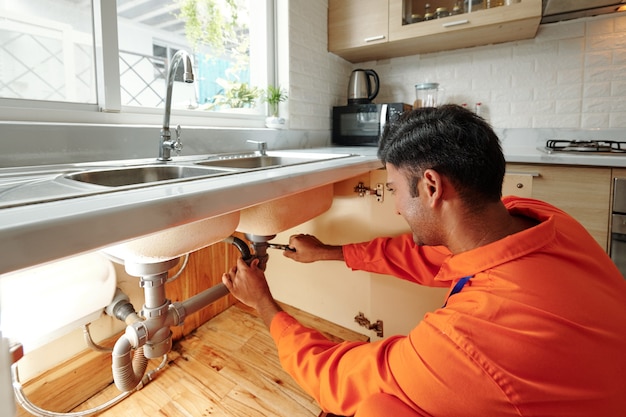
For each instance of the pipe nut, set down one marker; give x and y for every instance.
(178, 309)
(137, 334)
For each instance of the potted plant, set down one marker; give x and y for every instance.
(274, 96)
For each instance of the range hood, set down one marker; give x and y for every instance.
(557, 10)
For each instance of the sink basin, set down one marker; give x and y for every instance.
(175, 242)
(269, 160)
(119, 177)
(286, 212)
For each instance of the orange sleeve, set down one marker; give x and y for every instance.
(339, 376)
(397, 256)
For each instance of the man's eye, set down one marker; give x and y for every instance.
(391, 190)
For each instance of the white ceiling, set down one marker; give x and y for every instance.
(160, 14)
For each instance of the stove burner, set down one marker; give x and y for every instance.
(604, 146)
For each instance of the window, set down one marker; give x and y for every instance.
(47, 51)
(49, 59)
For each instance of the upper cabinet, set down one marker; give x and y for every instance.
(365, 30)
(355, 24)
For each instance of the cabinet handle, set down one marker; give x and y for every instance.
(374, 38)
(456, 23)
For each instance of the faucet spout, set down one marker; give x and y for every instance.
(166, 144)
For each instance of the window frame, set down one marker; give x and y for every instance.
(108, 109)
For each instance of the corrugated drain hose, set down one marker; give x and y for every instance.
(128, 368)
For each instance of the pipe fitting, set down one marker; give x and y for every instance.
(121, 308)
(242, 246)
(159, 344)
(137, 334)
(178, 312)
(156, 312)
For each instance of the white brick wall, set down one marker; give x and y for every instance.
(318, 80)
(572, 75)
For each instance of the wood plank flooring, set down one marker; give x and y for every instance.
(227, 367)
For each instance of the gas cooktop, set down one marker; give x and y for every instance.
(601, 147)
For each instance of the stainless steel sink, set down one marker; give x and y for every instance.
(119, 177)
(269, 160)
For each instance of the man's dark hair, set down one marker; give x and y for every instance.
(451, 140)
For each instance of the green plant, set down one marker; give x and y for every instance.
(273, 96)
(236, 95)
(209, 22)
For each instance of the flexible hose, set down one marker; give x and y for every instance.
(89, 340)
(180, 270)
(128, 369)
(25, 403)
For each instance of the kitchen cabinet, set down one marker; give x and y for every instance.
(583, 192)
(357, 33)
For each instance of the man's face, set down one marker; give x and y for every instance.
(412, 205)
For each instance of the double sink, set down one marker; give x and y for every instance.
(175, 242)
(212, 166)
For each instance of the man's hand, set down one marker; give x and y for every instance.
(248, 285)
(308, 249)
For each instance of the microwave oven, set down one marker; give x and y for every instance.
(362, 124)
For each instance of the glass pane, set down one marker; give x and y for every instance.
(46, 50)
(217, 33)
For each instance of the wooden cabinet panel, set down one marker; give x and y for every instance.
(583, 192)
(351, 22)
(203, 271)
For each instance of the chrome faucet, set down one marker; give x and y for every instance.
(166, 144)
(261, 146)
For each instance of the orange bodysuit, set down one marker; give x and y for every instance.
(538, 329)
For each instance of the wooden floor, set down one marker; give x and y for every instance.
(227, 367)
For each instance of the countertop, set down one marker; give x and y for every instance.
(40, 232)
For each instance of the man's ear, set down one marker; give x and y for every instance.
(432, 185)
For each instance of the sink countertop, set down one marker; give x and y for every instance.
(37, 233)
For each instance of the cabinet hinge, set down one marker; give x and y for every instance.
(364, 322)
(379, 191)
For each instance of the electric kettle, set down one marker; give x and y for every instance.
(363, 86)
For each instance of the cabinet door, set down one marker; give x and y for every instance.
(499, 24)
(332, 291)
(327, 289)
(583, 192)
(399, 304)
(357, 23)
(518, 183)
